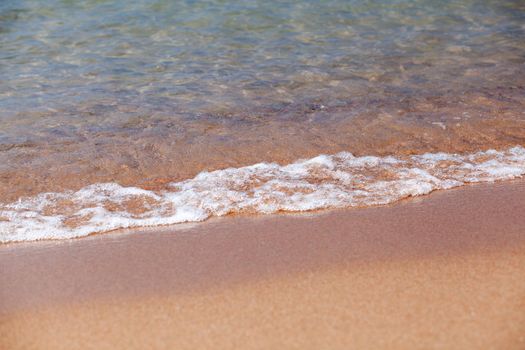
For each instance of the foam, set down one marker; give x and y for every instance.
(326, 181)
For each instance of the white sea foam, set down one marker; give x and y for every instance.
(326, 181)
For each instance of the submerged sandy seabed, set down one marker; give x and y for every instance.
(444, 271)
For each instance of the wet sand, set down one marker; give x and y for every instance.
(441, 271)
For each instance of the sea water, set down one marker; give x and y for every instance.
(131, 113)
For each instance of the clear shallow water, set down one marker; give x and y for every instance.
(146, 94)
(219, 57)
(97, 65)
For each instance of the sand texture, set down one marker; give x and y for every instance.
(446, 271)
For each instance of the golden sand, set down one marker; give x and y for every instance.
(473, 301)
(445, 271)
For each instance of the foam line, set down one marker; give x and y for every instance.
(326, 181)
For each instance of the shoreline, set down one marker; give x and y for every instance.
(416, 266)
(324, 182)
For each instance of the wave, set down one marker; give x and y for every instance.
(326, 181)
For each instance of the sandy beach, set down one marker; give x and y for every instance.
(444, 271)
(256, 174)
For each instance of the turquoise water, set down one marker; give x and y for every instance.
(106, 61)
(144, 91)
